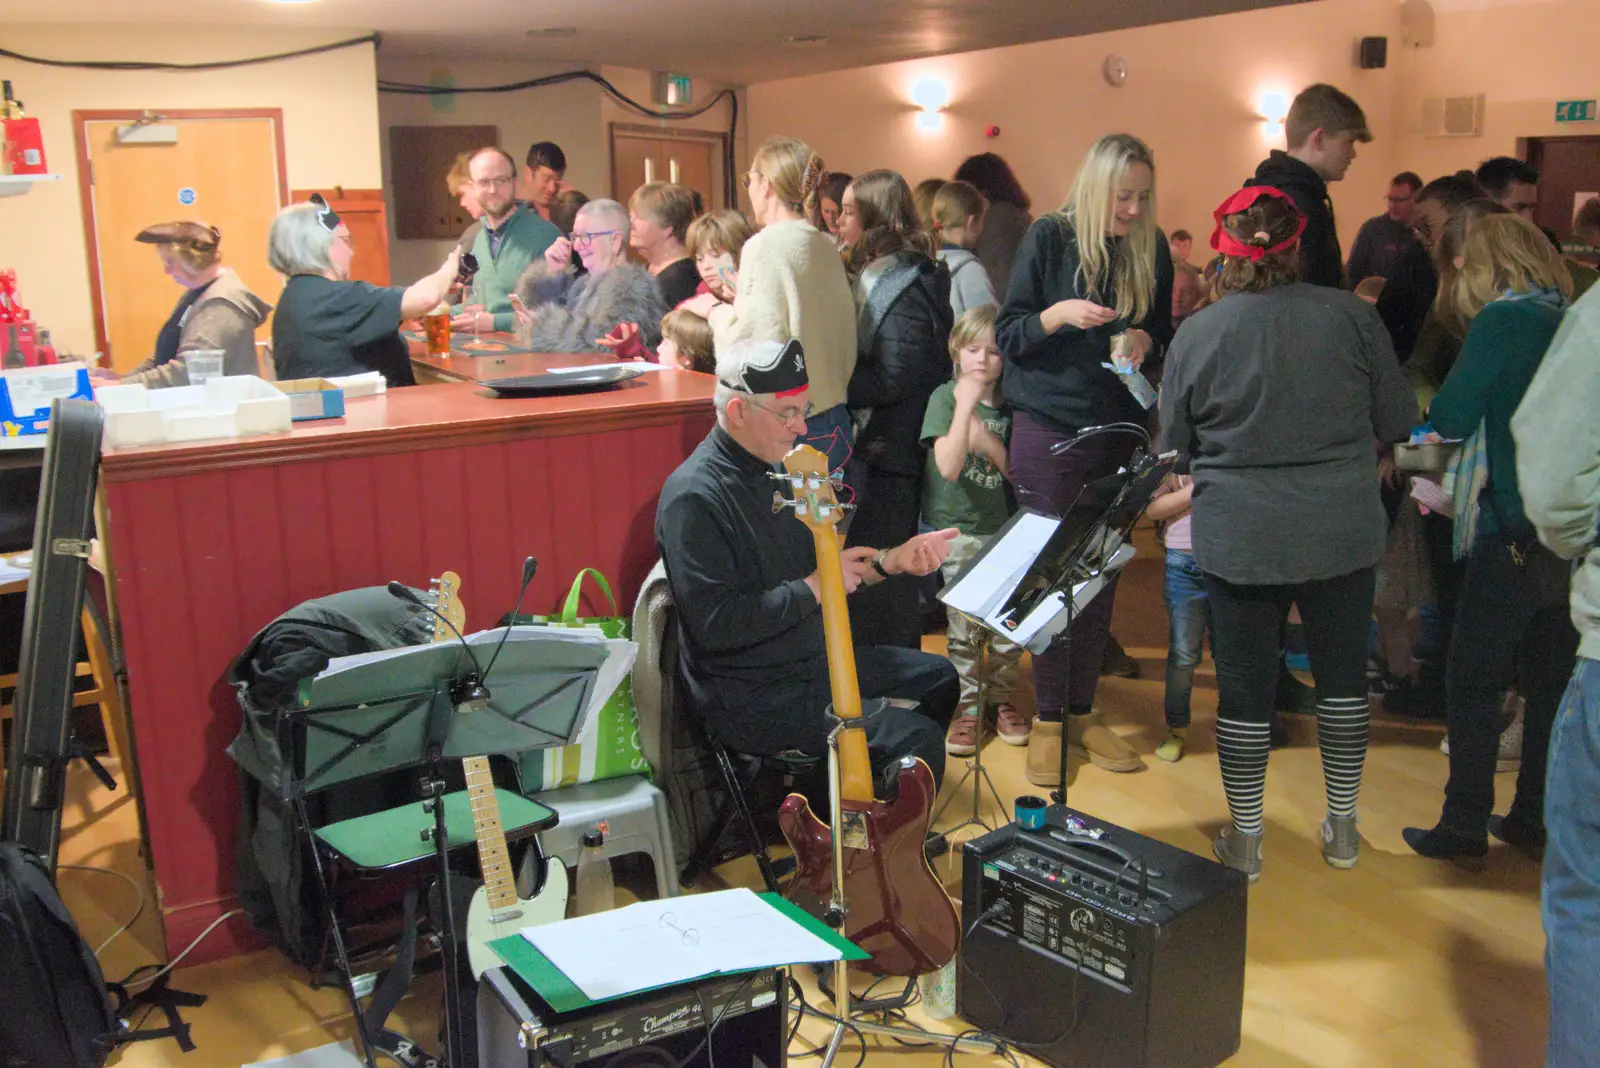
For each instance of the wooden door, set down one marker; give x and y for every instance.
(366, 217)
(693, 158)
(226, 169)
(1569, 173)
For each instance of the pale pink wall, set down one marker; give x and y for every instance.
(1523, 57)
(1192, 94)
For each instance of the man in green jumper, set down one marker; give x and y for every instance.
(511, 237)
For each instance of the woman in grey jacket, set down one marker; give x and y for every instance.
(1276, 395)
(564, 311)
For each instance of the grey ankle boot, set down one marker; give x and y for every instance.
(1341, 842)
(1241, 852)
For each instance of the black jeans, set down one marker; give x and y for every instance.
(1512, 621)
(794, 719)
(1246, 620)
(886, 613)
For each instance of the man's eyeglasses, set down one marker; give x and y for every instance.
(786, 415)
(490, 183)
(588, 238)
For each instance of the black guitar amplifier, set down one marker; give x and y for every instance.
(1114, 951)
(747, 1016)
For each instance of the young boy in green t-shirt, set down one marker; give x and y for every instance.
(965, 487)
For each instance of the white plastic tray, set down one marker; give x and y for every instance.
(221, 408)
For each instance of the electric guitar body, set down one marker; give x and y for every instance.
(897, 910)
(496, 911)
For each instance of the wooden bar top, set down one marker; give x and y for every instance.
(464, 367)
(446, 414)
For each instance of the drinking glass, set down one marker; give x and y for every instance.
(203, 365)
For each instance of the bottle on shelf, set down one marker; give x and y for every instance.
(14, 357)
(596, 888)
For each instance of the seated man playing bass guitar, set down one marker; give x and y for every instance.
(743, 572)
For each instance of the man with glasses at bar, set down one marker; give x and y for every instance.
(744, 576)
(565, 311)
(509, 238)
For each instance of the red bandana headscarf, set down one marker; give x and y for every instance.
(1228, 245)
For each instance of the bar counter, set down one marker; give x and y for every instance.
(213, 540)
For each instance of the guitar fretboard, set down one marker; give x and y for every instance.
(499, 881)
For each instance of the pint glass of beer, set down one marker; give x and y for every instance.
(436, 325)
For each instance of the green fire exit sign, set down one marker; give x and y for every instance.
(1575, 111)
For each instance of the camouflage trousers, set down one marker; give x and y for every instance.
(965, 638)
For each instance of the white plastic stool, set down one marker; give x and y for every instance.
(635, 813)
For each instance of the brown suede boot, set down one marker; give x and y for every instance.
(1100, 745)
(1044, 754)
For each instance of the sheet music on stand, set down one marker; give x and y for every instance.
(1018, 585)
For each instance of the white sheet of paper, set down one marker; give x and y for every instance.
(655, 943)
(333, 1055)
(992, 579)
(637, 365)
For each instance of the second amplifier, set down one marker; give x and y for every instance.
(1091, 946)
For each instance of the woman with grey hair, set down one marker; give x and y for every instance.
(327, 324)
(564, 310)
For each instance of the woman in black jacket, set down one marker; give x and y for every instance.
(903, 329)
(1096, 269)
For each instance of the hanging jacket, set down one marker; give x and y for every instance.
(902, 356)
(274, 885)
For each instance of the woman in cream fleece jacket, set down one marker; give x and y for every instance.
(792, 284)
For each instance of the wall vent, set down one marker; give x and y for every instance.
(1453, 116)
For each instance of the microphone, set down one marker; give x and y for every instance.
(529, 566)
(468, 689)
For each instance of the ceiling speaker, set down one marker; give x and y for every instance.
(1373, 53)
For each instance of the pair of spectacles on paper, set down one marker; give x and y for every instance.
(690, 936)
(588, 238)
(787, 415)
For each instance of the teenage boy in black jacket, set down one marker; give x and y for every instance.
(1321, 130)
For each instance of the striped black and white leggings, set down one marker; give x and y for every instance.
(1246, 621)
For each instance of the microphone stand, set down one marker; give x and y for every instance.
(1061, 448)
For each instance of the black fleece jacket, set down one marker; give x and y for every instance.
(902, 356)
(1058, 378)
(1321, 260)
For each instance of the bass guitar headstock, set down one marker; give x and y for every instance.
(812, 493)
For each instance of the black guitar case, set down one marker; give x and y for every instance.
(41, 732)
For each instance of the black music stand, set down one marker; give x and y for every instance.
(1039, 571)
(389, 711)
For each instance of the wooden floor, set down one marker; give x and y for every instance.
(1400, 962)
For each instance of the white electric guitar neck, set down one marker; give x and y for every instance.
(496, 911)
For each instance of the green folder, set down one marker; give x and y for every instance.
(393, 836)
(559, 992)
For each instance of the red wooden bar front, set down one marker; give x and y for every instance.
(213, 540)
